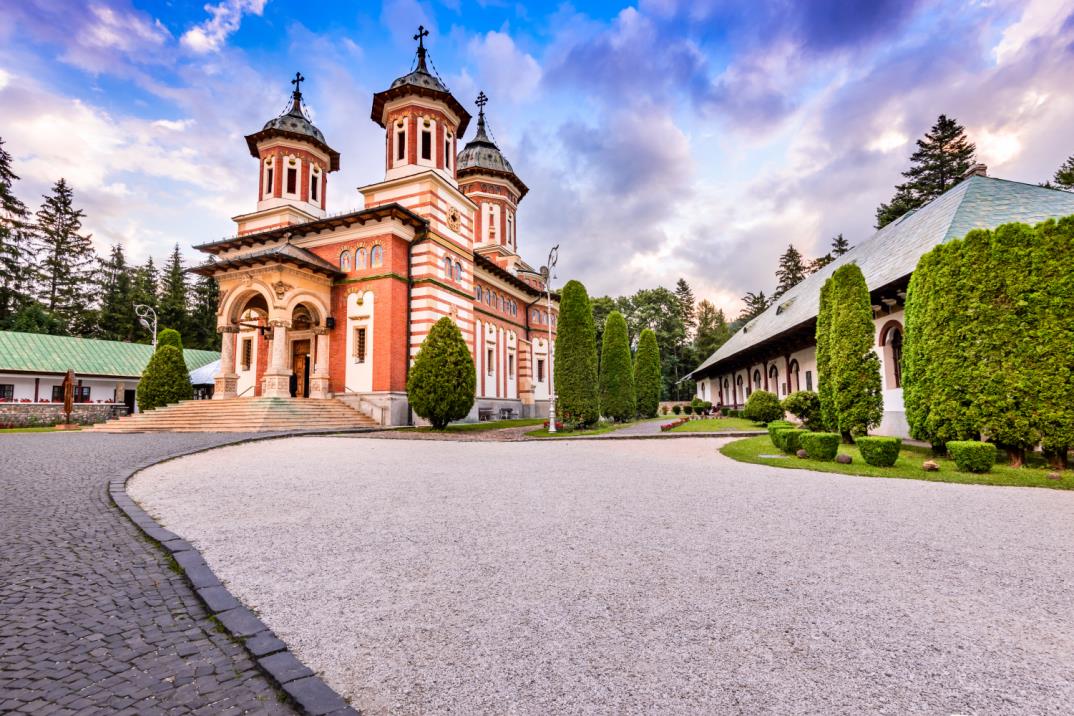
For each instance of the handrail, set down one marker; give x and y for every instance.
(244, 392)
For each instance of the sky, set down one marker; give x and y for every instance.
(662, 139)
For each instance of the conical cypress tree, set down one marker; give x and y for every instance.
(854, 366)
(166, 379)
(441, 383)
(577, 399)
(828, 418)
(647, 374)
(617, 398)
(1053, 336)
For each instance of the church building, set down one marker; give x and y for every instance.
(315, 304)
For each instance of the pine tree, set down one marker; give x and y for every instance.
(839, 246)
(756, 303)
(1064, 175)
(67, 260)
(116, 319)
(685, 294)
(791, 271)
(173, 308)
(942, 158)
(441, 383)
(647, 374)
(203, 314)
(16, 252)
(617, 398)
(577, 399)
(712, 330)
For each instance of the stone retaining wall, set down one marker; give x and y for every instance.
(26, 415)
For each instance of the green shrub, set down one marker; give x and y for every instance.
(821, 446)
(617, 398)
(790, 440)
(775, 426)
(804, 405)
(972, 456)
(854, 366)
(165, 380)
(441, 383)
(879, 451)
(763, 407)
(170, 337)
(688, 409)
(776, 435)
(576, 357)
(677, 409)
(647, 375)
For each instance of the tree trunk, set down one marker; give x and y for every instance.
(1059, 460)
(1016, 456)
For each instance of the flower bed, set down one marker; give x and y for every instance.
(673, 424)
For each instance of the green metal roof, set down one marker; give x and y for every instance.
(39, 353)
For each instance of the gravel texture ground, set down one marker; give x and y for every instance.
(634, 577)
(92, 619)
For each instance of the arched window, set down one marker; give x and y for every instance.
(738, 389)
(376, 256)
(447, 267)
(536, 316)
(792, 379)
(756, 379)
(345, 261)
(891, 347)
(773, 380)
(458, 272)
(477, 293)
(359, 258)
(726, 390)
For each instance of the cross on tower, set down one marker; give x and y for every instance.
(420, 37)
(481, 101)
(297, 82)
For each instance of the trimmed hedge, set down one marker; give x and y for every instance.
(790, 441)
(776, 425)
(854, 366)
(577, 396)
(647, 375)
(804, 405)
(972, 456)
(166, 379)
(441, 384)
(763, 407)
(821, 446)
(170, 337)
(617, 398)
(879, 451)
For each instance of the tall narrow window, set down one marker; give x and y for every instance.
(292, 179)
(540, 370)
(426, 144)
(268, 181)
(447, 267)
(345, 261)
(447, 152)
(491, 358)
(511, 365)
(809, 380)
(896, 356)
(458, 272)
(315, 180)
(400, 145)
(247, 353)
(359, 259)
(359, 345)
(376, 256)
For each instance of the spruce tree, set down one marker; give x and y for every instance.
(687, 311)
(854, 366)
(647, 374)
(756, 303)
(791, 271)
(577, 399)
(942, 158)
(712, 330)
(173, 308)
(1064, 175)
(203, 314)
(16, 251)
(441, 384)
(617, 398)
(66, 260)
(839, 246)
(116, 319)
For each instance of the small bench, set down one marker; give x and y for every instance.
(506, 413)
(484, 414)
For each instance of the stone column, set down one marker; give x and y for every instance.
(226, 382)
(319, 379)
(276, 382)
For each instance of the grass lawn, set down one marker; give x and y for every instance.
(908, 466)
(598, 430)
(480, 427)
(713, 425)
(35, 430)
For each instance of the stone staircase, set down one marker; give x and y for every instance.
(241, 415)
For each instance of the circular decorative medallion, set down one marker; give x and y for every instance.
(453, 220)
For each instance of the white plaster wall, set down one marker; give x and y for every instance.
(359, 376)
(511, 344)
(540, 352)
(247, 378)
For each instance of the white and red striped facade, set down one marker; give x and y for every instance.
(316, 305)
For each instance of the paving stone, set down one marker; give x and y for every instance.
(264, 643)
(314, 696)
(284, 667)
(218, 599)
(240, 621)
(92, 619)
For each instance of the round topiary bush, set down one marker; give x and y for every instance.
(774, 427)
(165, 379)
(804, 405)
(879, 451)
(972, 456)
(688, 409)
(677, 409)
(790, 441)
(763, 407)
(821, 446)
(442, 382)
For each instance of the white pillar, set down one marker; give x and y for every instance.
(319, 379)
(227, 380)
(277, 380)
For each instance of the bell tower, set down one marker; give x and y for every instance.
(294, 162)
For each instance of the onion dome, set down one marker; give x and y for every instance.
(421, 83)
(294, 124)
(482, 156)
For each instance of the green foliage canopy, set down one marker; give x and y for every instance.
(617, 397)
(165, 380)
(647, 374)
(853, 365)
(576, 357)
(441, 383)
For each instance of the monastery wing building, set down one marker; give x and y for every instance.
(315, 304)
(776, 351)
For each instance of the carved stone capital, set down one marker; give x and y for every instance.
(227, 329)
(280, 324)
(319, 331)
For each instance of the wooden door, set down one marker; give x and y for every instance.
(300, 367)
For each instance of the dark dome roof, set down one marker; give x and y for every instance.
(294, 120)
(293, 124)
(421, 78)
(482, 155)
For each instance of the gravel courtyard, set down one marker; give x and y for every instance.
(633, 577)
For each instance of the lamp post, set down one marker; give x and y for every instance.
(553, 256)
(144, 312)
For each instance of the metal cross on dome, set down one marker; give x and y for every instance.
(297, 82)
(481, 101)
(420, 37)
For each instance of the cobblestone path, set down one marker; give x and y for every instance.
(92, 619)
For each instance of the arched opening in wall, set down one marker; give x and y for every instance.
(794, 380)
(891, 351)
(726, 393)
(756, 379)
(773, 380)
(738, 389)
(249, 314)
(303, 321)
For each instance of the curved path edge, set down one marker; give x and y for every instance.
(308, 691)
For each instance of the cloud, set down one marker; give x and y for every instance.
(225, 19)
(505, 71)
